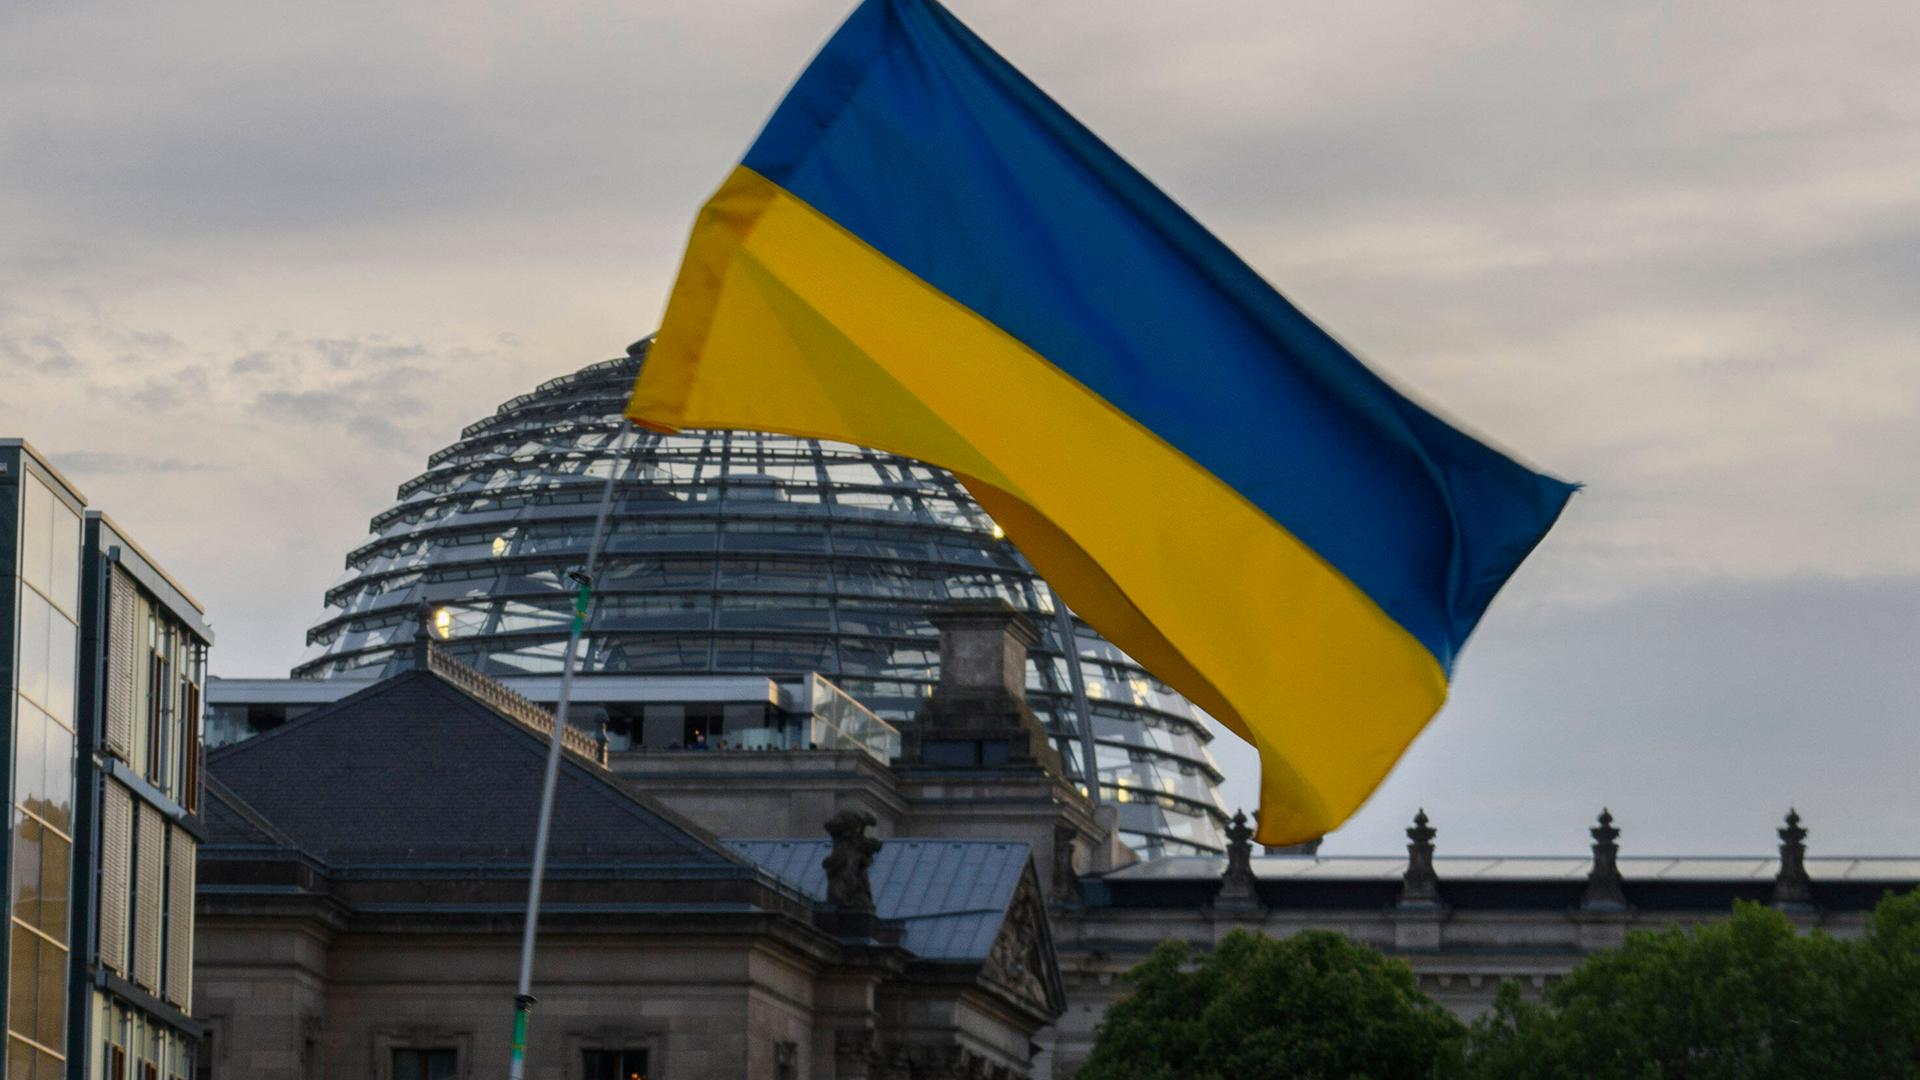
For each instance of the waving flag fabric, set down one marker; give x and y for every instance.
(923, 253)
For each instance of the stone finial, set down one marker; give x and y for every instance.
(1420, 885)
(1604, 892)
(848, 888)
(1792, 888)
(1237, 884)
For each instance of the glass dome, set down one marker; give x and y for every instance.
(737, 552)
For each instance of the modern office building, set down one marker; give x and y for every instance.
(144, 644)
(737, 553)
(104, 664)
(40, 517)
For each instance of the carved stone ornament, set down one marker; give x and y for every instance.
(1018, 959)
(848, 888)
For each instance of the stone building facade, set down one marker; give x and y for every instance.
(727, 914)
(362, 887)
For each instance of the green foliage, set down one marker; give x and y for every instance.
(1313, 1006)
(1744, 998)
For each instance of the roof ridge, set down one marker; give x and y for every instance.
(510, 703)
(246, 811)
(306, 719)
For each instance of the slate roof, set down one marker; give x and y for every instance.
(229, 820)
(412, 772)
(952, 894)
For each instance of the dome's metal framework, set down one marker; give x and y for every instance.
(737, 552)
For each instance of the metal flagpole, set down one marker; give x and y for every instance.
(582, 595)
(1070, 647)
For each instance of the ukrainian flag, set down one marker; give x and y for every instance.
(924, 254)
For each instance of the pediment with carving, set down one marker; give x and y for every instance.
(1022, 960)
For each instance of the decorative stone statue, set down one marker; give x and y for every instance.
(1420, 886)
(1604, 891)
(1792, 888)
(848, 888)
(1066, 882)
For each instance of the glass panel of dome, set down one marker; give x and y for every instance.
(885, 622)
(622, 574)
(665, 654)
(757, 655)
(774, 574)
(887, 579)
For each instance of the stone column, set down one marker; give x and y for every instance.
(977, 715)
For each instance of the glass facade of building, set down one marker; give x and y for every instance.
(105, 662)
(140, 758)
(43, 638)
(737, 552)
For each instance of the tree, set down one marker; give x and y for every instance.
(1746, 998)
(1314, 1005)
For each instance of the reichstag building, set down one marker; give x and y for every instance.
(738, 552)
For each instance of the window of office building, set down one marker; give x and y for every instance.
(134, 1046)
(157, 669)
(47, 603)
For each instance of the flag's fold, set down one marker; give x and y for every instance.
(924, 254)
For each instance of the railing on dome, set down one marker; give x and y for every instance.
(828, 718)
(496, 696)
(839, 722)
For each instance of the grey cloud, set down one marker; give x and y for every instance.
(384, 432)
(349, 403)
(183, 389)
(42, 353)
(84, 463)
(155, 341)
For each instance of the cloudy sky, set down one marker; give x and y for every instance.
(258, 259)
